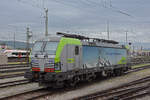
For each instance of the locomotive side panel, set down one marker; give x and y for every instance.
(102, 56)
(112, 56)
(71, 57)
(90, 56)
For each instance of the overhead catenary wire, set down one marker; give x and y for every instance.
(34, 4)
(95, 4)
(70, 4)
(114, 9)
(31, 3)
(74, 3)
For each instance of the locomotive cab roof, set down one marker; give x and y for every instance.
(80, 37)
(84, 40)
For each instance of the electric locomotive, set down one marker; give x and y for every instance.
(68, 59)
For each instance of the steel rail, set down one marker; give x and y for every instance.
(12, 75)
(13, 83)
(106, 92)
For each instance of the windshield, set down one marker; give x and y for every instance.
(51, 47)
(37, 46)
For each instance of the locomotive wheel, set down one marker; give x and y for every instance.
(118, 72)
(121, 72)
(109, 74)
(59, 84)
(90, 79)
(73, 82)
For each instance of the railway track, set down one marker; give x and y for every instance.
(126, 91)
(38, 93)
(22, 74)
(14, 70)
(131, 93)
(43, 92)
(144, 84)
(7, 66)
(138, 69)
(13, 83)
(29, 95)
(11, 67)
(11, 75)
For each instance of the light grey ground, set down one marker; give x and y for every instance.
(106, 84)
(144, 98)
(18, 89)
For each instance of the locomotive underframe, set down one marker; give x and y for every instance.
(74, 76)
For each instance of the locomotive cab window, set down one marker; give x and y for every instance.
(37, 47)
(76, 50)
(51, 47)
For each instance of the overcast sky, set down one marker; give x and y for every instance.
(76, 16)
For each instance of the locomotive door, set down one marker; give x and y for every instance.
(77, 54)
(70, 57)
